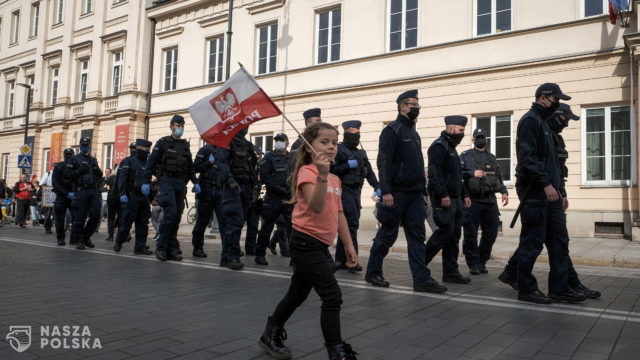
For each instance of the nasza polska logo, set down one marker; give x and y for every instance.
(19, 337)
(54, 337)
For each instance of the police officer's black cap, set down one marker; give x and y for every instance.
(351, 124)
(86, 141)
(258, 150)
(479, 132)
(142, 143)
(281, 136)
(132, 145)
(455, 120)
(565, 110)
(551, 89)
(410, 94)
(315, 112)
(178, 119)
(68, 151)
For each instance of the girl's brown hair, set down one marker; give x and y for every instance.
(303, 154)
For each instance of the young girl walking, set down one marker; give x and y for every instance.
(317, 217)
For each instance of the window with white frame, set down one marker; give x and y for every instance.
(58, 11)
(492, 16)
(15, 27)
(608, 146)
(216, 59)
(87, 6)
(5, 166)
(82, 80)
(11, 97)
(594, 7)
(170, 69)
(55, 72)
(267, 48)
(116, 72)
(498, 130)
(107, 152)
(31, 80)
(328, 35)
(264, 141)
(403, 24)
(46, 160)
(35, 18)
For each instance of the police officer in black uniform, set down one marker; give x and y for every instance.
(63, 187)
(220, 197)
(136, 206)
(243, 164)
(447, 194)
(403, 187)
(482, 179)
(352, 167)
(85, 174)
(274, 171)
(171, 161)
(310, 116)
(255, 210)
(538, 183)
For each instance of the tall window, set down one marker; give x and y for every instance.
(35, 18)
(15, 27)
(328, 36)
(216, 59)
(11, 97)
(87, 6)
(267, 48)
(84, 76)
(403, 24)
(5, 166)
(170, 69)
(58, 11)
(264, 141)
(608, 146)
(492, 16)
(595, 7)
(31, 80)
(107, 152)
(116, 73)
(46, 160)
(498, 130)
(54, 85)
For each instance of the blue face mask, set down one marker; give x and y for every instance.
(85, 149)
(178, 131)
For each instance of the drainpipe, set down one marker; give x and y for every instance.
(636, 221)
(150, 80)
(229, 34)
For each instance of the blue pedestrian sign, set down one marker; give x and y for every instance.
(25, 161)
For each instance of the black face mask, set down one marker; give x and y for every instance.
(141, 154)
(454, 139)
(480, 142)
(242, 132)
(557, 124)
(351, 139)
(554, 106)
(413, 113)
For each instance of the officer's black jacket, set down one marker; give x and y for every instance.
(296, 144)
(469, 166)
(154, 162)
(129, 169)
(216, 174)
(355, 176)
(61, 186)
(275, 182)
(535, 151)
(83, 170)
(400, 160)
(243, 161)
(563, 156)
(445, 173)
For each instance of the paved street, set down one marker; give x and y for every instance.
(140, 308)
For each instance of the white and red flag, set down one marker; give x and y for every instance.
(234, 106)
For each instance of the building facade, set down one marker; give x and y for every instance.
(478, 58)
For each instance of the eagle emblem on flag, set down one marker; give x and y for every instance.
(226, 105)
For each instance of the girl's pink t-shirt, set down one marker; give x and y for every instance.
(322, 226)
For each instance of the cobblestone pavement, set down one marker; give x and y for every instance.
(140, 308)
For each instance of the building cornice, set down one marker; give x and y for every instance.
(18, 56)
(52, 54)
(9, 70)
(81, 45)
(114, 36)
(214, 20)
(170, 32)
(28, 64)
(265, 6)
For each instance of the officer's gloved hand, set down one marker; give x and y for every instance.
(196, 188)
(145, 189)
(352, 163)
(378, 193)
(124, 198)
(212, 158)
(70, 195)
(235, 187)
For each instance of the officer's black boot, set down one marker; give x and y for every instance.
(80, 245)
(88, 243)
(272, 339)
(161, 255)
(341, 352)
(117, 246)
(474, 270)
(235, 264)
(569, 297)
(509, 279)
(588, 293)
(483, 269)
(199, 252)
(109, 238)
(456, 278)
(61, 242)
(174, 255)
(260, 260)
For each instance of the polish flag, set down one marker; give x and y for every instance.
(234, 106)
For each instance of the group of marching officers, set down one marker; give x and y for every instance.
(459, 191)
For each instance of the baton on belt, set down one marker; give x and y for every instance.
(525, 196)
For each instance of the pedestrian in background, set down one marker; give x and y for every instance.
(23, 193)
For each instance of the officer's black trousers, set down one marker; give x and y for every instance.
(272, 208)
(351, 209)
(114, 215)
(311, 270)
(447, 236)
(485, 216)
(137, 210)
(85, 210)
(253, 220)
(171, 193)
(60, 207)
